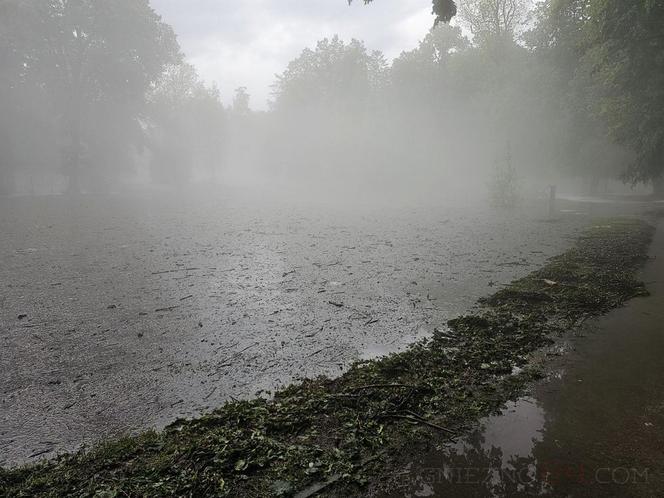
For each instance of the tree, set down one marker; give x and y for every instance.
(626, 54)
(325, 106)
(424, 76)
(610, 58)
(211, 130)
(490, 20)
(94, 59)
(27, 128)
(186, 126)
(10, 80)
(241, 101)
(335, 75)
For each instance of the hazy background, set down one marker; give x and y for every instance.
(319, 100)
(247, 43)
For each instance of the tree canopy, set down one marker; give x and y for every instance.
(335, 74)
(86, 59)
(573, 85)
(610, 58)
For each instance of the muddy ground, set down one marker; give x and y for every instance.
(142, 310)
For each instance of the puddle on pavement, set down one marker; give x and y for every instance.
(593, 427)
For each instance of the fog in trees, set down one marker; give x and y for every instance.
(99, 98)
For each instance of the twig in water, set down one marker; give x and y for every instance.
(39, 453)
(173, 271)
(383, 386)
(415, 418)
(314, 489)
(170, 308)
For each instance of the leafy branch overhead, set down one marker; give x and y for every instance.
(444, 10)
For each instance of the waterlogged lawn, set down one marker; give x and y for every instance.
(335, 435)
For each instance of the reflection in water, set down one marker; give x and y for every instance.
(544, 445)
(594, 427)
(494, 460)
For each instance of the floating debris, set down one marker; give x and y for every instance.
(331, 435)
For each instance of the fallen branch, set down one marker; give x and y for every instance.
(170, 308)
(173, 271)
(414, 418)
(384, 386)
(210, 394)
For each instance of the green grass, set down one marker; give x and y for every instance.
(336, 434)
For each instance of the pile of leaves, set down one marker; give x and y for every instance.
(324, 435)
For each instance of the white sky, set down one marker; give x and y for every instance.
(246, 42)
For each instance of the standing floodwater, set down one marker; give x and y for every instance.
(124, 313)
(285, 248)
(593, 427)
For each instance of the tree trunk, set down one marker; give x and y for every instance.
(7, 181)
(73, 166)
(7, 168)
(658, 187)
(75, 108)
(593, 185)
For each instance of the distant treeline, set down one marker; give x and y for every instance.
(90, 89)
(94, 93)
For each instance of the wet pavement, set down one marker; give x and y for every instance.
(593, 427)
(123, 313)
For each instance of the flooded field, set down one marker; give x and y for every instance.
(593, 427)
(119, 314)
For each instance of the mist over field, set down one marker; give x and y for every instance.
(203, 203)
